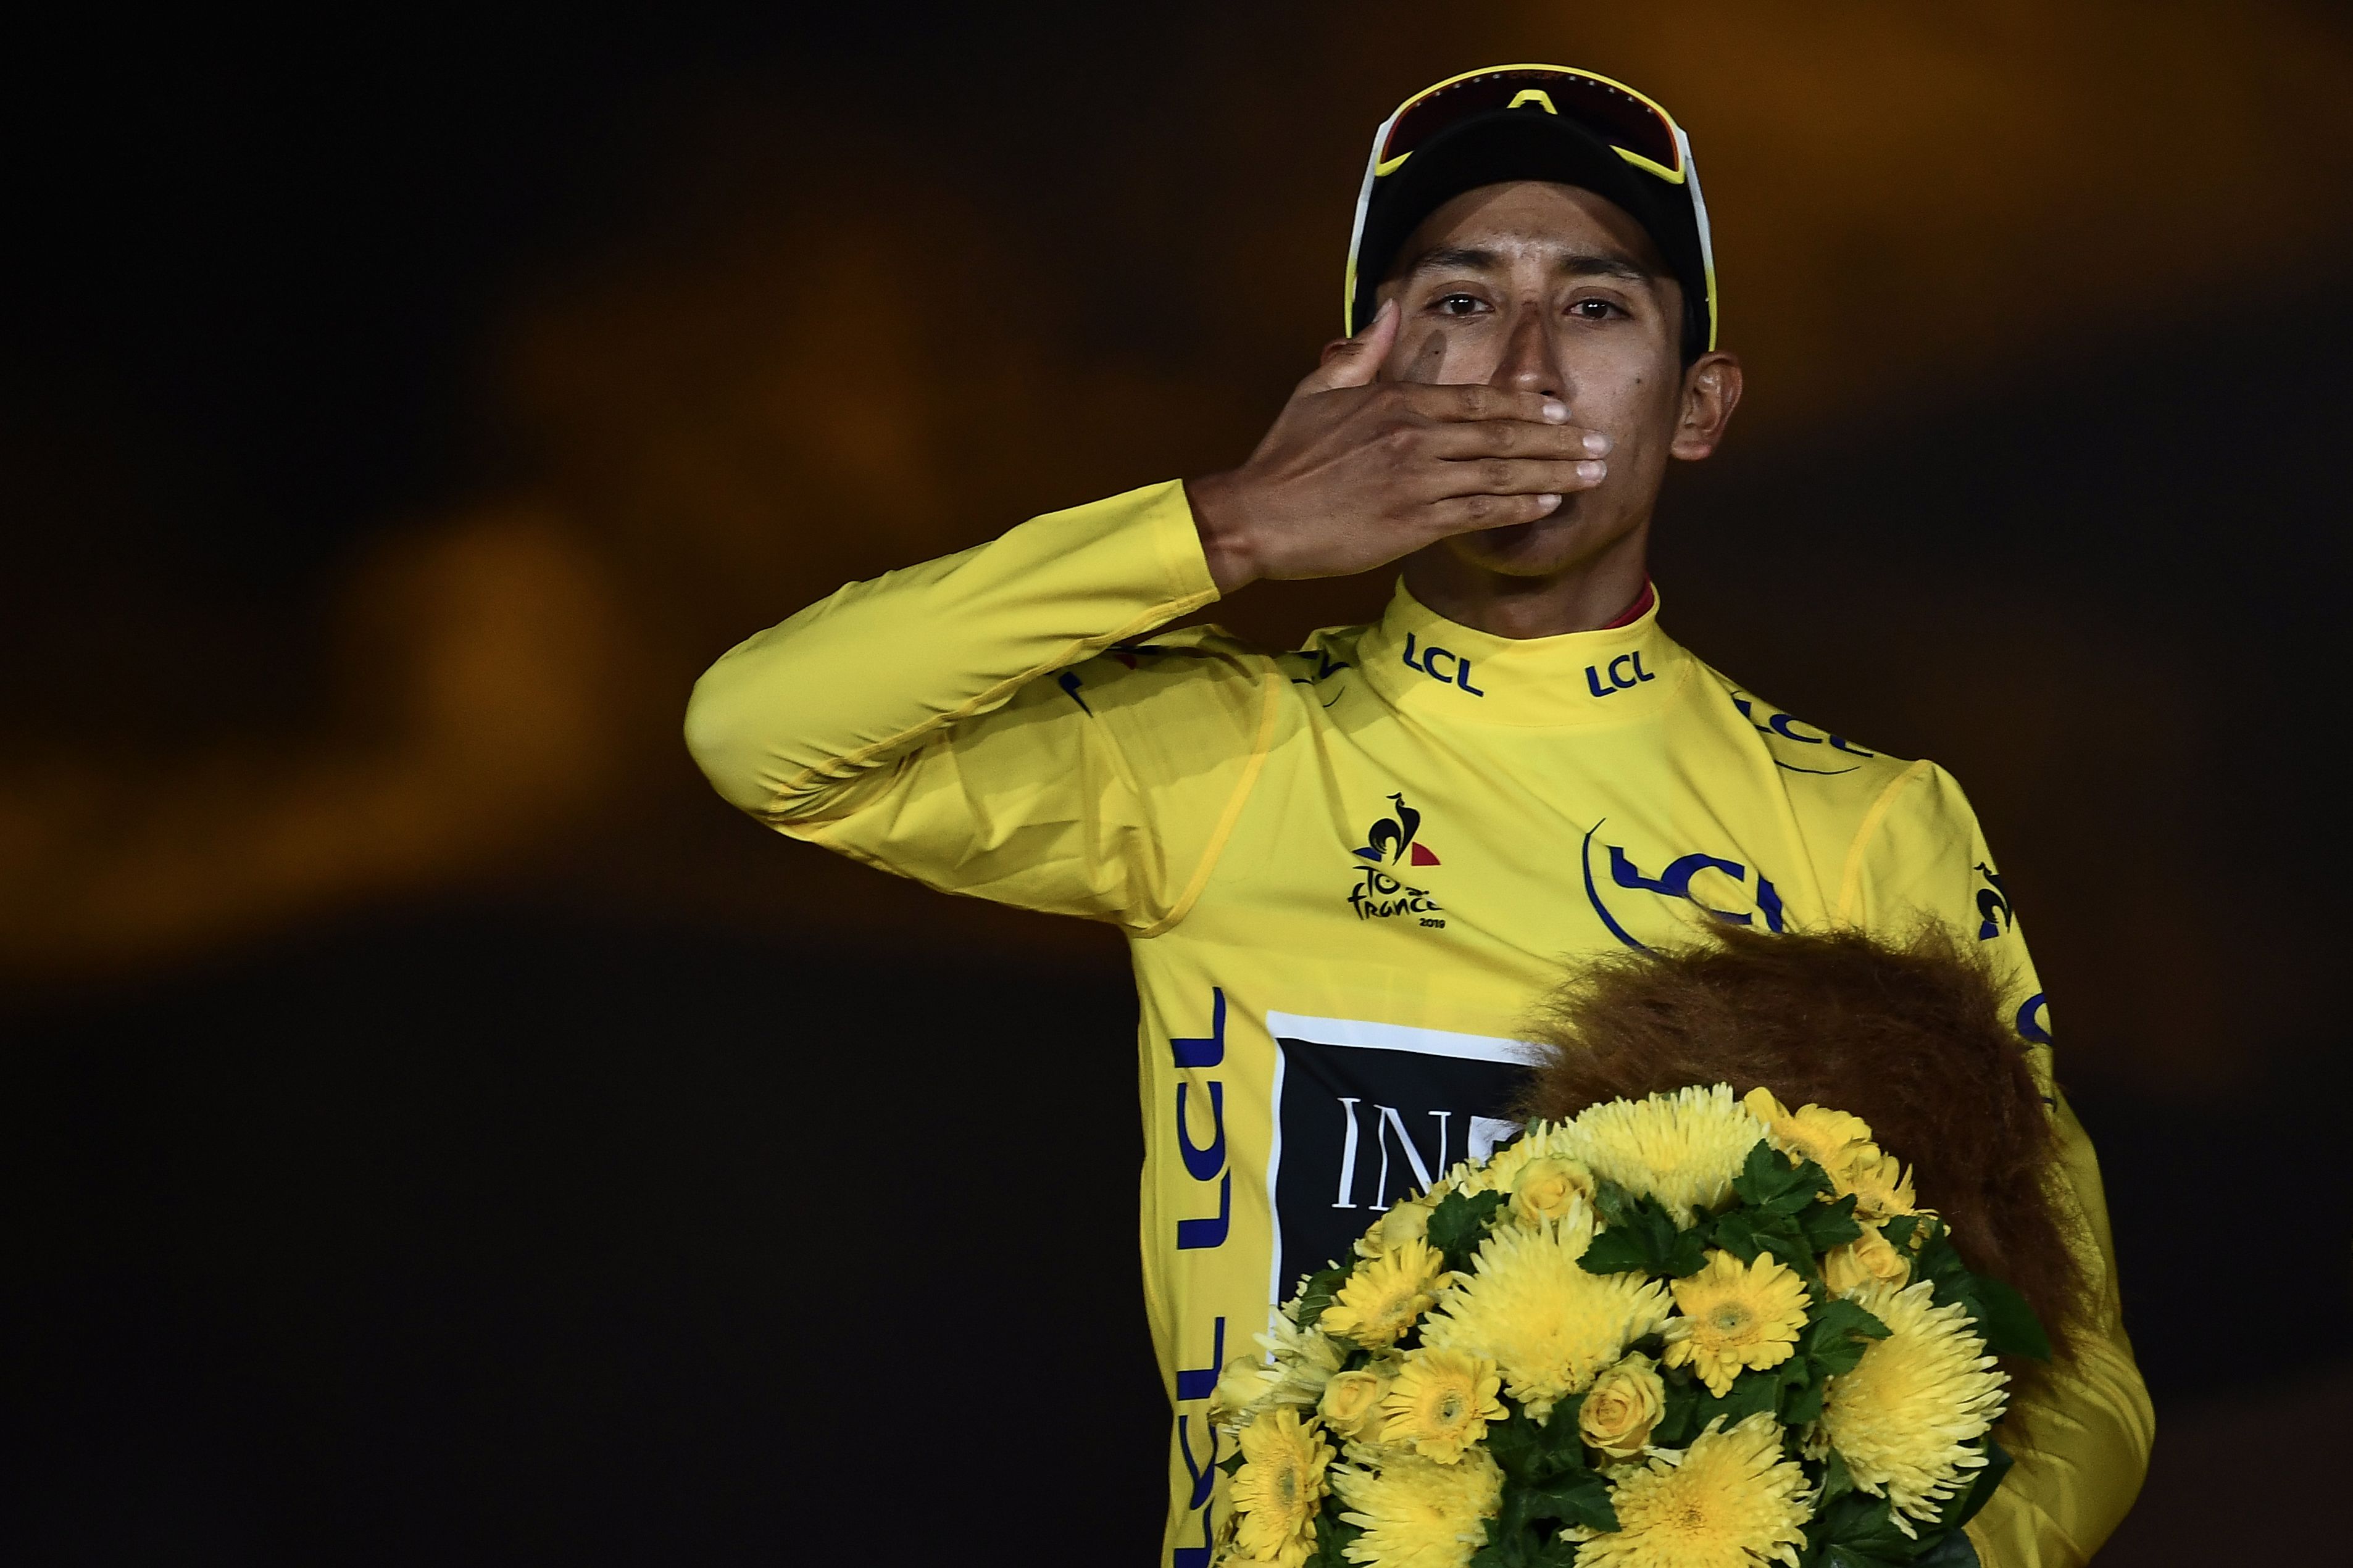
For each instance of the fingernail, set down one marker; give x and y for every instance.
(1556, 412)
(1592, 470)
(1596, 443)
(1548, 502)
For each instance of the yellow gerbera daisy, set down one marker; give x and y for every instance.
(1881, 1185)
(1683, 1148)
(1279, 1488)
(1830, 1139)
(1416, 1513)
(1901, 1416)
(1549, 1327)
(1441, 1402)
(1383, 1296)
(1736, 1315)
(1729, 1500)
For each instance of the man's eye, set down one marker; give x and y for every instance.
(1593, 310)
(1458, 304)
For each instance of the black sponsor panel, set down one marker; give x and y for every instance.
(1362, 1126)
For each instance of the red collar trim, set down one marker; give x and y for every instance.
(1635, 611)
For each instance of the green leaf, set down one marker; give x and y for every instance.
(1835, 1335)
(1581, 1499)
(1646, 1237)
(1802, 1404)
(1615, 1251)
(1943, 1549)
(1523, 1547)
(1678, 1412)
(2009, 1324)
(1563, 1444)
(1963, 1507)
(1825, 1225)
(1321, 1286)
(1590, 1506)
(1770, 1180)
(1936, 1260)
(1785, 1242)
(1232, 1462)
(1459, 1223)
(1516, 1443)
(1751, 1393)
(1613, 1203)
(1747, 1233)
(1864, 1529)
(1333, 1535)
(1898, 1230)
(1836, 1480)
(1686, 1257)
(1842, 1556)
(1735, 1232)
(1765, 1175)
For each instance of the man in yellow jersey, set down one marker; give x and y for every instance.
(1345, 872)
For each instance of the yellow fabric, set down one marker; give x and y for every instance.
(1345, 873)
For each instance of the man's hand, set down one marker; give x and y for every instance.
(1354, 474)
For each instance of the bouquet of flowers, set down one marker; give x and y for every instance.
(1687, 1329)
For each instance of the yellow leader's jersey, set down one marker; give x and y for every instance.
(1346, 873)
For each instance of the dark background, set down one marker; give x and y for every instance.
(432, 1126)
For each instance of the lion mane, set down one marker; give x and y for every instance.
(1911, 1037)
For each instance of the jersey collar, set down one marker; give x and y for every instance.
(1445, 672)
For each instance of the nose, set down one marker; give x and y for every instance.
(1528, 363)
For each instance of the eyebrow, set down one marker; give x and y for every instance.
(1576, 264)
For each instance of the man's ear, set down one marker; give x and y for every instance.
(1710, 392)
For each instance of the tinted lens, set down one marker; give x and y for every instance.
(1617, 117)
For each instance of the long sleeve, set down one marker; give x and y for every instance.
(952, 723)
(2083, 1445)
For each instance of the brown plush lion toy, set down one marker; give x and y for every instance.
(1912, 1039)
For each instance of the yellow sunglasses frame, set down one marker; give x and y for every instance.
(1688, 175)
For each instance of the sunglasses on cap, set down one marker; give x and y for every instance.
(1630, 124)
(1644, 134)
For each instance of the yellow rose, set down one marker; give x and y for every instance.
(1503, 1167)
(1409, 1221)
(1350, 1400)
(1548, 1186)
(1622, 1406)
(1245, 1380)
(1869, 1256)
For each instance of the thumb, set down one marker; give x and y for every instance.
(1355, 362)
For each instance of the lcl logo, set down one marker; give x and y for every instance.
(1204, 1163)
(1456, 670)
(1674, 881)
(1625, 671)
